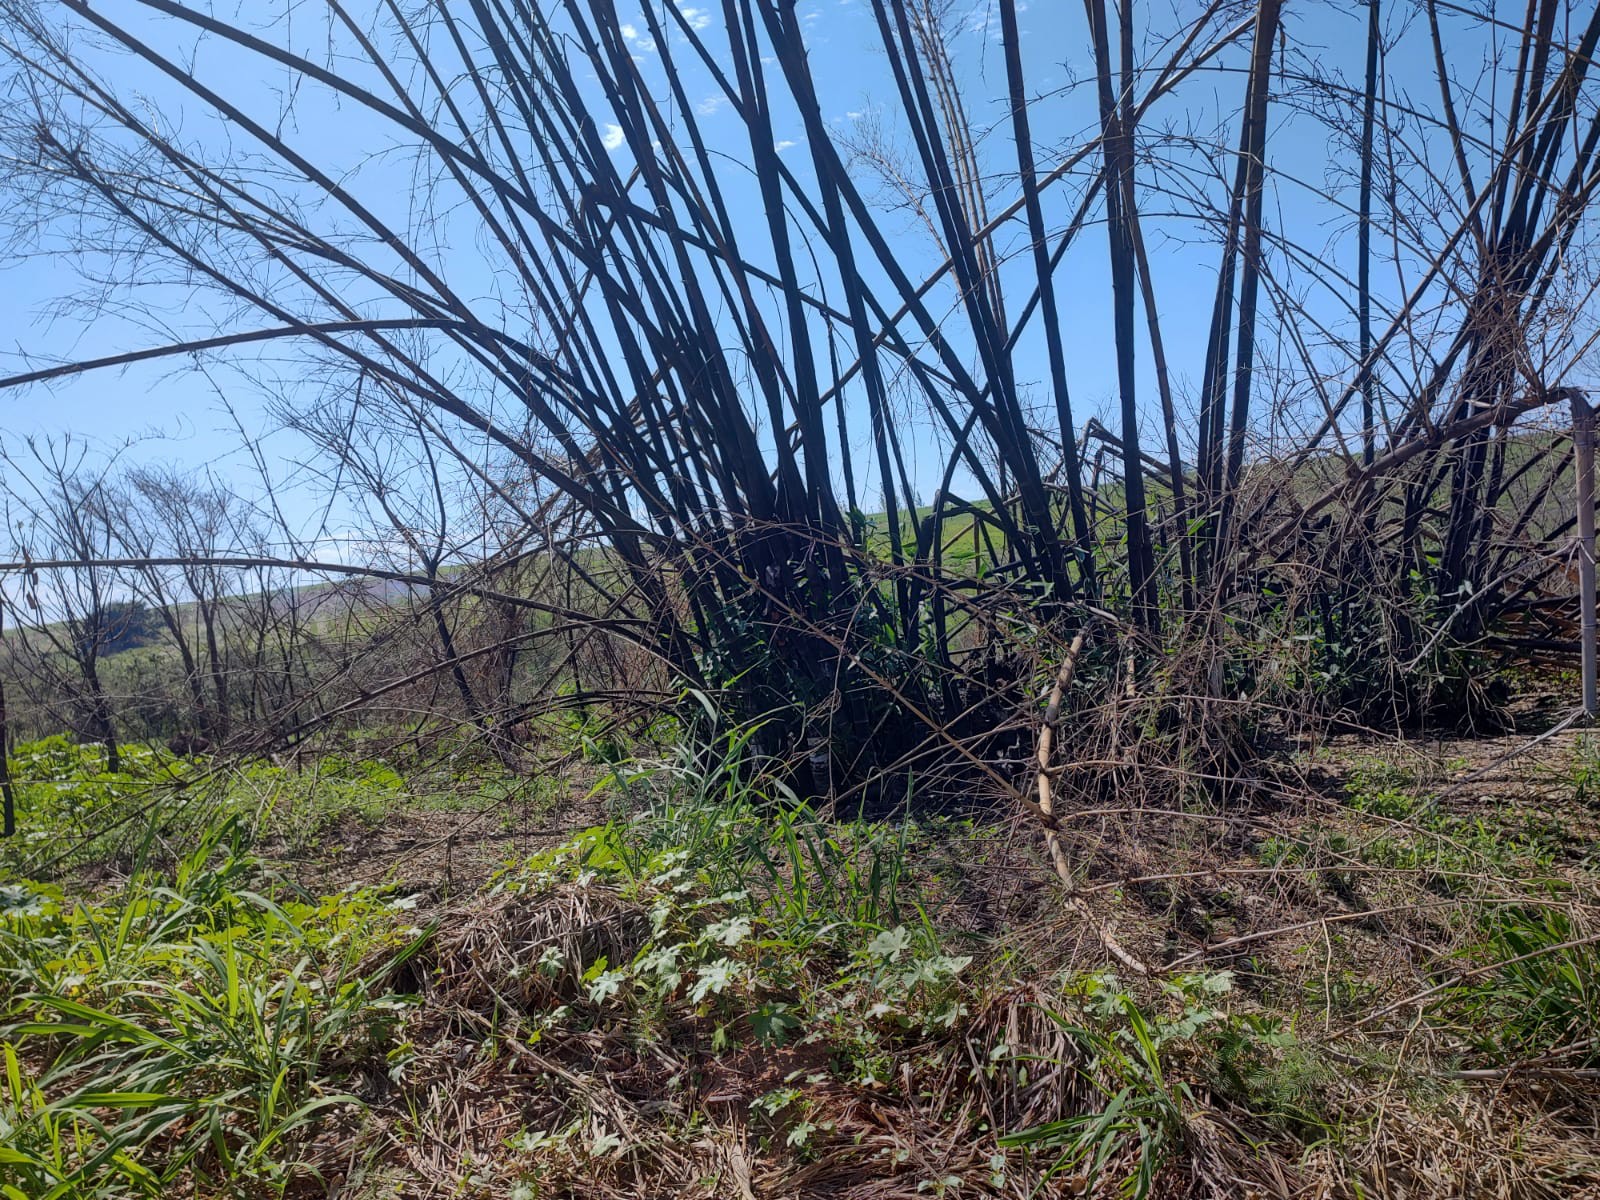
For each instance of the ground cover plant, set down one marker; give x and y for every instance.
(707, 986)
(184, 1030)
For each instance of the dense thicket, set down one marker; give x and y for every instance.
(648, 327)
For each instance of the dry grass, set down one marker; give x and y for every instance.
(1349, 902)
(655, 1108)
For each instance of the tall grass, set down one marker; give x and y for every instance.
(191, 1031)
(725, 811)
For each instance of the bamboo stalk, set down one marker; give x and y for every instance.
(1583, 440)
(8, 796)
(1369, 106)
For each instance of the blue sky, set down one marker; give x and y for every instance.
(179, 410)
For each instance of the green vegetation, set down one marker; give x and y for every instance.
(1533, 989)
(1412, 832)
(187, 1031)
(592, 1015)
(73, 812)
(670, 693)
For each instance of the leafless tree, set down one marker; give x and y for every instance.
(58, 507)
(682, 338)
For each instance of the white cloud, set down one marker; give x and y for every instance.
(698, 18)
(710, 105)
(783, 145)
(642, 43)
(611, 136)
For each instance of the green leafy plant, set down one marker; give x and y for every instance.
(1586, 769)
(728, 813)
(1145, 1059)
(191, 1029)
(1383, 790)
(1536, 992)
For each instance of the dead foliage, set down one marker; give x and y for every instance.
(507, 1056)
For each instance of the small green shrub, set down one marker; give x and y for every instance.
(1384, 790)
(300, 806)
(1539, 994)
(1586, 770)
(71, 811)
(762, 970)
(183, 1030)
(1146, 1059)
(742, 830)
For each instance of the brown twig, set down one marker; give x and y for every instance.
(1046, 810)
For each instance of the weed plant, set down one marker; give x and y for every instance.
(185, 1031)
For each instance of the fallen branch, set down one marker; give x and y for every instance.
(1045, 809)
